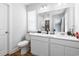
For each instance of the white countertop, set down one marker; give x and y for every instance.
(64, 37)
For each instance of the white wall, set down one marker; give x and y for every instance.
(76, 17)
(17, 24)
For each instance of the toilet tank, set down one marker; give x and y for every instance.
(27, 36)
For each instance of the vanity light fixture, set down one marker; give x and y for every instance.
(60, 4)
(43, 7)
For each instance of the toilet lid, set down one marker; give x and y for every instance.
(23, 43)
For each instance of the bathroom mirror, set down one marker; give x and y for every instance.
(61, 20)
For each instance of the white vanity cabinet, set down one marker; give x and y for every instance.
(51, 45)
(39, 45)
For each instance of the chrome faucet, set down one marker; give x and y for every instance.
(53, 31)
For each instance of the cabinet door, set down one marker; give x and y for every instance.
(56, 50)
(69, 51)
(39, 47)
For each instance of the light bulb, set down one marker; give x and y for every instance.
(43, 7)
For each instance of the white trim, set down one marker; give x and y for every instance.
(3, 53)
(13, 51)
(10, 28)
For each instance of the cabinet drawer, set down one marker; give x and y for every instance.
(72, 44)
(39, 38)
(64, 42)
(58, 41)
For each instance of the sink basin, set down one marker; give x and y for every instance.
(60, 33)
(43, 32)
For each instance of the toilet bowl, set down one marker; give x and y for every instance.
(24, 45)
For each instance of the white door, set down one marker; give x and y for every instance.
(3, 29)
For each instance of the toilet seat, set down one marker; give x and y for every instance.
(23, 43)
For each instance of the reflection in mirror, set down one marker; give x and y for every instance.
(47, 27)
(59, 23)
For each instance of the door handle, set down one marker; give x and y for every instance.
(6, 32)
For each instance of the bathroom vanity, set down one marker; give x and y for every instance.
(54, 45)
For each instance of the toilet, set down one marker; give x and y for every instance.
(24, 45)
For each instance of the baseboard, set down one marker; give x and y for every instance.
(3, 53)
(13, 51)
